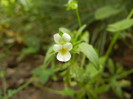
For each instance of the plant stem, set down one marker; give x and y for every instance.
(24, 85)
(111, 46)
(83, 61)
(114, 40)
(4, 86)
(48, 89)
(130, 14)
(20, 88)
(77, 12)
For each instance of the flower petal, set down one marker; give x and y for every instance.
(57, 47)
(68, 46)
(64, 58)
(66, 37)
(57, 37)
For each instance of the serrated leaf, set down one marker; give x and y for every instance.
(120, 25)
(106, 12)
(90, 53)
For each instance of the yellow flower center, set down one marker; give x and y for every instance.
(63, 51)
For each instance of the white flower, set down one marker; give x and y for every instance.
(62, 39)
(62, 46)
(63, 51)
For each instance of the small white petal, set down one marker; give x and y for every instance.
(68, 46)
(64, 58)
(66, 37)
(57, 47)
(57, 37)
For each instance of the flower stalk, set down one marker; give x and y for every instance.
(78, 17)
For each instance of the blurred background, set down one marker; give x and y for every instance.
(39, 19)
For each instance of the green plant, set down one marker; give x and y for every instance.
(85, 68)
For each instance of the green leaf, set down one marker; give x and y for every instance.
(64, 30)
(90, 53)
(11, 92)
(85, 37)
(125, 73)
(102, 60)
(48, 57)
(92, 71)
(77, 73)
(106, 12)
(37, 71)
(111, 66)
(102, 89)
(119, 69)
(120, 25)
(67, 92)
(44, 76)
(116, 88)
(80, 31)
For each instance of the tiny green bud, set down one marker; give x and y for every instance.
(72, 5)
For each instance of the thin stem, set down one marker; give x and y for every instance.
(130, 14)
(4, 86)
(20, 88)
(2, 76)
(77, 12)
(24, 85)
(45, 88)
(111, 46)
(83, 61)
